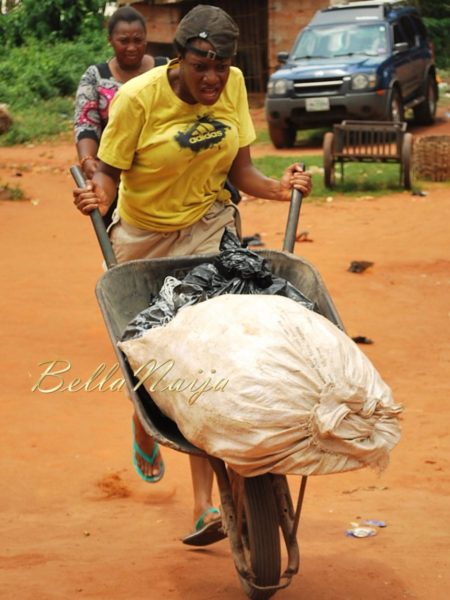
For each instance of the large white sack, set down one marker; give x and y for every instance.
(291, 392)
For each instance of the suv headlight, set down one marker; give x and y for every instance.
(279, 87)
(363, 81)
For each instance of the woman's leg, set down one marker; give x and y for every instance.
(202, 483)
(146, 444)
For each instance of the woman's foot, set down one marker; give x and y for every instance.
(206, 515)
(207, 520)
(147, 458)
(208, 528)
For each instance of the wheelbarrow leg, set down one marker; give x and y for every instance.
(406, 161)
(328, 159)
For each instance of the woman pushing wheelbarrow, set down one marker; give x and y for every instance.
(173, 137)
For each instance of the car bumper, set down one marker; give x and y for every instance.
(285, 112)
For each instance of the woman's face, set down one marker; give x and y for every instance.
(128, 41)
(202, 79)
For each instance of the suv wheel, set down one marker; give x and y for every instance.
(396, 112)
(282, 138)
(424, 113)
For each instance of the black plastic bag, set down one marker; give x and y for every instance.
(235, 271)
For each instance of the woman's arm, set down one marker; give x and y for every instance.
(99, 192)
(247, 178)
(88, 121)
(87, 153)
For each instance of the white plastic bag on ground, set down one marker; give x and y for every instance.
(268, 386)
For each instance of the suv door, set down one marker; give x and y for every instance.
(422, 51)
(417, 57)
(403, 66)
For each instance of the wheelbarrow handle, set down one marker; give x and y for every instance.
(97, 222)
(293, 218)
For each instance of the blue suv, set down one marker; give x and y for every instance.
(364, 60)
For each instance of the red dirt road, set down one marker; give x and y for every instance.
(77, 522)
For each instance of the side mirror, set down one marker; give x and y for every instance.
(282, 57)
(401, 47)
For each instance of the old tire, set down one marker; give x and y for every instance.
(328, 161)
(282, 137)
(260, 535)
(424, 113)
(407, 147)
(396, 111)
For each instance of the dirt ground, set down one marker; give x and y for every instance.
(77, 522)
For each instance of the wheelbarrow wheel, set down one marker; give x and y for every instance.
(407, 161)
(260, 536)
(328, 161)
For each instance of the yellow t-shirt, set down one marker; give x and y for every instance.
(174, 156)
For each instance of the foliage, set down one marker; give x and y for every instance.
(436, 16)
(438, 31)
(38, 82)
(50, 20)
(47, 45)
(433, 8)
(39, 71)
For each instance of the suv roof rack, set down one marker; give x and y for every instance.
(380, 7)
(365, 3)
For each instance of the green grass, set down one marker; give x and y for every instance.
(308, 137)
(42, 120)
(374, 179)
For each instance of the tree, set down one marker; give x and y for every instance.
(436, 16)
(434, 9)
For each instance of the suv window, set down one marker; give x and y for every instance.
(341, 40)
(409, 31)
(399, 35)
(421, 32)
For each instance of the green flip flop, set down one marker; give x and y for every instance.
(148, 459)
(207, 534)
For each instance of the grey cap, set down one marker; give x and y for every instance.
(212, 24)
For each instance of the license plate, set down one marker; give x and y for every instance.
(317, 104)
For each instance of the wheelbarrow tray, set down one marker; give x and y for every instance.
(127, 289)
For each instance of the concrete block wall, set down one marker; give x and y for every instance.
(162, 20)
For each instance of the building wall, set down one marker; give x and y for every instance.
(162, 21)
(286, 18)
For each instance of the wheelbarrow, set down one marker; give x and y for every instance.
(255, 510)
(368, 141)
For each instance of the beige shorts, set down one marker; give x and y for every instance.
(204, 237)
